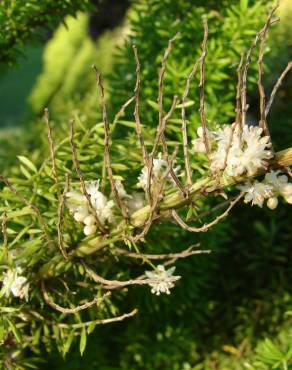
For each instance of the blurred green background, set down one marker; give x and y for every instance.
(232, 309)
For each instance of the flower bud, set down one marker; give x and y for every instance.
(79, 216)
(89, 220)
(90, 229)
(272, 203)
(199, 146)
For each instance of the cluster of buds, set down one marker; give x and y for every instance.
(158, 171)
(273, 186)
(78, 205)
(235, 151)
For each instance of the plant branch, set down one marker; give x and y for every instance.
(55, 306)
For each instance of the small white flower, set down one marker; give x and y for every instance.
(89, 229)
(16, 284)
(161, 280)
(280, 185)
(136, 202)
(287, 193)
(158, 170)
(256, 192)
(121, 190)
(272, 202)
(198, 144)
(99, 201)
(81, 213)
(239, 155)
(78, 205)
(256, 152)
(273, 185)
(89, 220)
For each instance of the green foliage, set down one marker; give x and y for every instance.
(226, 302)
(67, 82)
(21, 21)
(231, 31)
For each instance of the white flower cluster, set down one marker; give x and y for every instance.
(158, 171)
(273, 186)
(16, 284)
(78, 205)
(161, 280)
(236, 154)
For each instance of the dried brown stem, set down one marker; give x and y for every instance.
(160, 135)
(263, 122)
(276, 87)
(149, 165)
(205, 227)
(161, 129)
(4, 228)
(156, 199)
(55, 306)
(52, 146)
(186, 253)
(238, 119)
(136, 112)
(81, 178)
(161, 121)
(60, 217)
(202, 88)
(244, 106)
(100, 321)
(147, 159)
(107, 147)
(184, 122)
(117, 284)
(5, 237)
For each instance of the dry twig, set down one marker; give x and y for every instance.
(263, 122)
(117, 284)
(258, 36)
(202, 88)
(115, 192)
(205, 227)
(81, 178)
(136, 112)
(184, 122)
(276, 87)
(100, 321)
(59, 219)
(156, 199)
(52, 147)
(55, 306)
(161, 120)
(186, 253)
